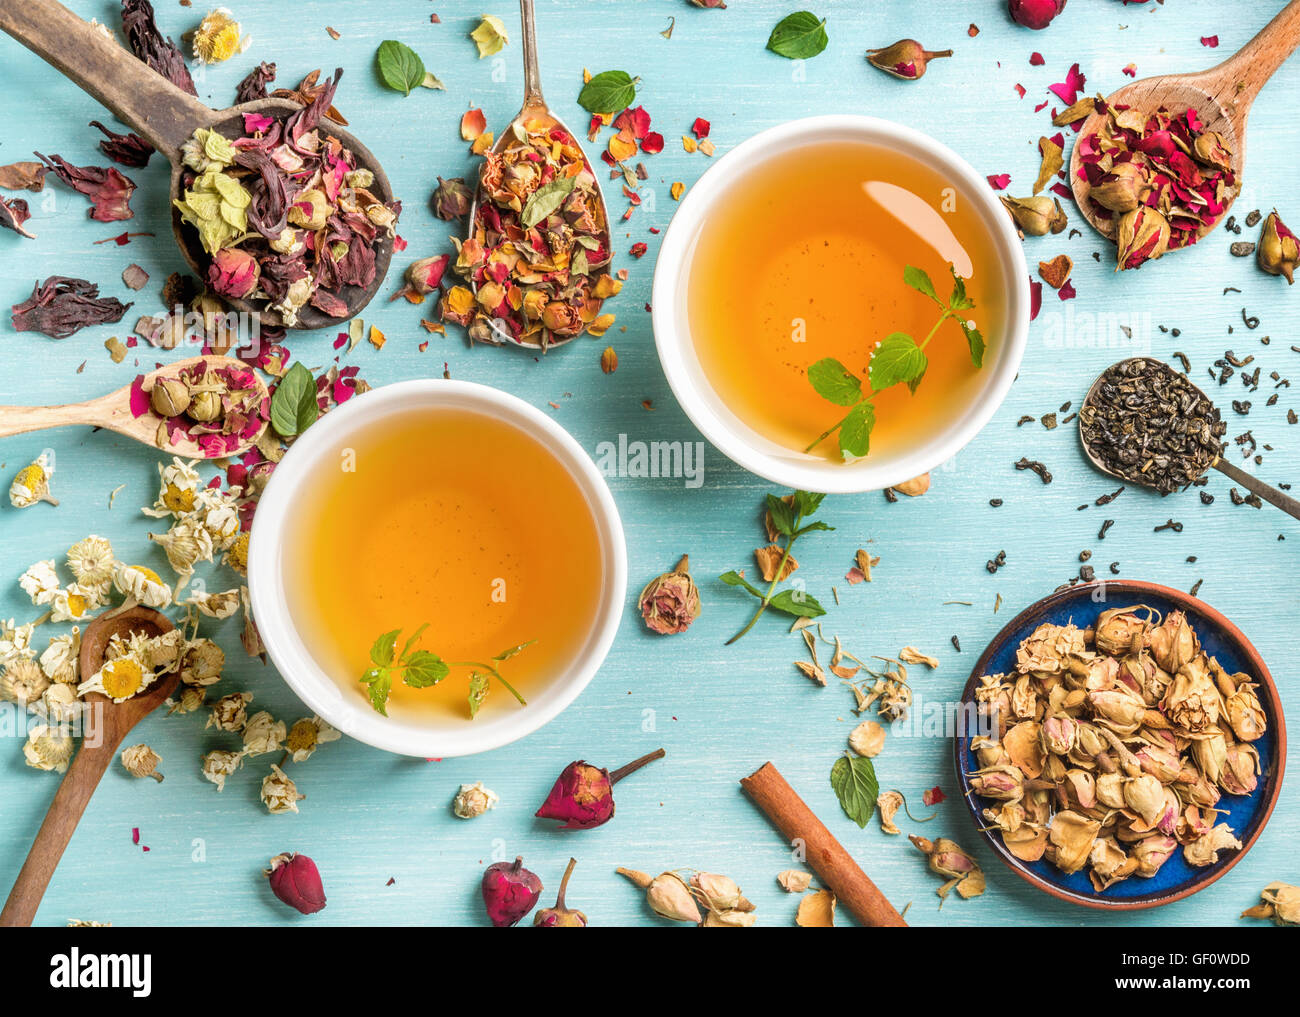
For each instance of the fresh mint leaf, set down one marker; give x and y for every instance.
(797, 603)
(293, 406)
(380, 682)
(808, 502)
(835, 382)
(381, 652)
(608, 92)
(782, 515)
(400, 67)
(920, 281)
(410, 643)
(798, 36)
(976, 343)
(855, 431)
(507, 654)
(545, 200)
(896, 359)
(958, 301)
(424, 669)
(854, 781)
(818, 525)
(736, 579)
(478, 690)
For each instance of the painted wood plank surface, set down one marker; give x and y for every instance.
(380, 826)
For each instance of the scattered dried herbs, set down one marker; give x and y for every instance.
(61, 306)
(108, 190)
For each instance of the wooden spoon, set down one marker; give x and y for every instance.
(1270, 494)
(108, 725)
(1221, 96)
(535, 108)
(113, 411)
(165, 116)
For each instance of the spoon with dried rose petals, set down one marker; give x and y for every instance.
(131, 410)
(1221, 96)
(1144, 423)
(106, 724)
(535, 115)
(166, 117)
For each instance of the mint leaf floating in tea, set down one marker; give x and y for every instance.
(583, 795)
(608, 92)
(400, 67)
(293, 406)
(897, 359)
(798, 36)
(854, 780)
(785, 518)
(422, 669)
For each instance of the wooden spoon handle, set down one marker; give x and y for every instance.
(24, 419)
(69, 803)
(1269, 493)
(137, 95)
(1238, 79)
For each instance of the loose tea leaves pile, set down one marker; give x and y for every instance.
(1147, 423)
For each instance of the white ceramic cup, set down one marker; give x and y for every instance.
(271, 592)
(702, 404)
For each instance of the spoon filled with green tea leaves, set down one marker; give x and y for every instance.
(1160, 161)
(232, 202)
(1145, 423)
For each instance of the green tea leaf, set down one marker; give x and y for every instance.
(478, 690)
(608, 92)
(380, 681)
(782, 515)
(808, 502)
(381, 652)
(959, 301)
(400, 67)
(833, 381)
(855, 432)
(797, 603)
(736, 579)
(293, 407)
(798, 36)
(919, 281)
(424, 669)
(896, 359)
(545, 200)
(976, 343)
(853, 779)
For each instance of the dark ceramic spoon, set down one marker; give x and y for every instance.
(165, 116)
(1270, 494)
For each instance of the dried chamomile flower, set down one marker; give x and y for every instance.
(230, 713)
(263, 733)
(306, 736)
(215, 605)
(178, 489)
(59, 704)
(816, 910)
(32, 484)
(40, 582)
(16, 641)
(187, 543)
(191, 698)
(218, 38)
(86, 923)
(219, 513)
(1278, 901)
(142, 761)
(867, 739)
(220, 764)
(202, 663)
(237, 555)
(74, 603)
(91, 561)
(22, 681)
(249, 636)
(473, 800)
(279, 793)
(48, 748)
(141, 585)
(794, 880)
(118, 679)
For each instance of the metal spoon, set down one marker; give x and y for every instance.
(112, 722)
(165, 116)
(1270, 494)
(535, 108)
(1221, 96)
(113, 411)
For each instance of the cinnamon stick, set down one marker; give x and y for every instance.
(833, 865)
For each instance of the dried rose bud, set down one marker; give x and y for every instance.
(233, 273)
(583, 795)
(713, 5)
(561, 916)
(170, 397)
(670, 602)
(296, 881)
(1278, 251)
(1279, 902)
(719, 893)
(1120, 630)
(310, 209)
(1173, 643)
(509, 892)
(905, 59)
(1037, 216)
(667, 894)
(562, 318)
(452, 198)
(1035, 14)
(1143, 235)
(1122, 189)
(1152, 852)
(1210, 148)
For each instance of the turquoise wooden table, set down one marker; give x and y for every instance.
(380, 827)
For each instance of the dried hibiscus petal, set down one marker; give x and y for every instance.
(13, 213)
(108, 190)
(127, 149)
(147, 43)
(61, 306)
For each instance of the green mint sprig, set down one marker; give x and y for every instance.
(420, 669)
(899, 359)
(787, 521)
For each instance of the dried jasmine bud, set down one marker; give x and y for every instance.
(1143, 234)
(142, 761)
(670, 602)
(561, 916)
(509, 892)
(295, 880)
(905, 59)
(1036, 216)
(170, 397)
(1278, 252)
(473, 800)
(668, 895)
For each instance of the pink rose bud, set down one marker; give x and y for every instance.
(233, 273)
(1035, 14)
(296, 881)
(509, 892)
(669, 603)
(583, 795)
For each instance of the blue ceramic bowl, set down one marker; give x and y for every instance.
(1246, 815)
